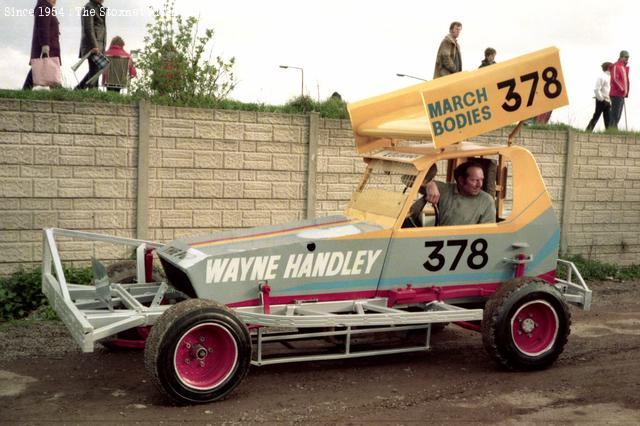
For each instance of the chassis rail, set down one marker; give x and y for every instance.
(88, 310)
(577, 293)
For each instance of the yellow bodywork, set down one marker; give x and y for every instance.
(462, 105)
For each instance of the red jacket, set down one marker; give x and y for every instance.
(119, 52)
(619, 79)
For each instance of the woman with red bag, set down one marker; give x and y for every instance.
(46, 35)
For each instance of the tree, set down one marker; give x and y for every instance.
(173, 61)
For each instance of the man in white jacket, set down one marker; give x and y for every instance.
(603, 102)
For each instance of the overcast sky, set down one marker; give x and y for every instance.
(356, 47)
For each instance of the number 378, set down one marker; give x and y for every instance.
(513, 100)
(477, 256)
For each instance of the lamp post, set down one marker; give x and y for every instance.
(302, 73)
(410, 76)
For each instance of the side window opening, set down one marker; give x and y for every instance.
(382, 192)
(497, 183)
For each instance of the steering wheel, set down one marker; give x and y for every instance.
(413, 218)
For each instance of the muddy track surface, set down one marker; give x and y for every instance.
(45, 379)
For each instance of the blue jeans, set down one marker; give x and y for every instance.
(617, 102)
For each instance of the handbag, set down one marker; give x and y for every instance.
(46, 71)
(99, 60)
(102, 62)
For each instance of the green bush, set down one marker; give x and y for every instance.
(177, 63)
(21, 292)
(599, 271)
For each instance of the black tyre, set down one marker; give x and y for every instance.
(198, 351)
(125, 272)
(525, 324)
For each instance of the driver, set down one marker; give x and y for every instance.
(463, 202)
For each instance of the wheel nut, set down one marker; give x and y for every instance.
(187, 361)
(201, 339)
(201, 363)
(187, 345)
(210, 350)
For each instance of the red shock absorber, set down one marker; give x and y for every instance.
(148, 265)
(520, 266)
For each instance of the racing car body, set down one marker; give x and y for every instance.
(370, 270)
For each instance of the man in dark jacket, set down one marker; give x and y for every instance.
(449, 59)
(46, 35)
(94, 36)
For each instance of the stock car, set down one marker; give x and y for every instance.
(259, 296)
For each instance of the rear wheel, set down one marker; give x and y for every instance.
(526, 324)
(198, 351)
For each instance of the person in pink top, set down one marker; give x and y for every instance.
(117, 49)
(619, 87)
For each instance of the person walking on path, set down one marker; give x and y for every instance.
(619, 87)
(603, 101)
(94, 36)
(46, 35)
(489, 57)
(449, 59)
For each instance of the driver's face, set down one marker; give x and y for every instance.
(472, 184)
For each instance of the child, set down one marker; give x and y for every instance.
(116, 49)
(489, 57)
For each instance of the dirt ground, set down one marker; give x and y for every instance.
(45, 379)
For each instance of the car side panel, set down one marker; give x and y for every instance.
(470, 255)
(330, 269)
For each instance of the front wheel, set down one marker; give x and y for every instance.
(198, 351)
(525, 324)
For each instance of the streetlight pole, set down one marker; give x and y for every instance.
(410, 76)
(301, 72)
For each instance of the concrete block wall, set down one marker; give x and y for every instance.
(214, 170)
(605, 213)
(67, 165)
(339, 166)
(75, 165)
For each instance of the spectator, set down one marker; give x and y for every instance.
(489, 57)
(449, 59)
(116, 49)
(94, 36)
(543, 118)
(46, 35)
(603, 101)
(619, 87)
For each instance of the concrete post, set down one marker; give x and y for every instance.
(312, 164)
(142, 196)
(567, 203)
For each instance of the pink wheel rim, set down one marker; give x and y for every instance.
(206, 356)
(534, 327)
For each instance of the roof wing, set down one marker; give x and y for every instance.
(462, 105)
